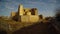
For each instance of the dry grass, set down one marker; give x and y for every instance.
(10, 25)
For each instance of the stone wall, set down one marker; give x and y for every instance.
(28, 18)
(13, 14)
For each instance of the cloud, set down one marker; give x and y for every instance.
(9, 7)
(33, 2)
(52, 1)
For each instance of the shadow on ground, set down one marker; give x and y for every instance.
(3, 32)
(39, 28)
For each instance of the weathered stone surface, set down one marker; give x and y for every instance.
(25, 14)
(27, 18)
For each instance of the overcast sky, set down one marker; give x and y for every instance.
(45, 7)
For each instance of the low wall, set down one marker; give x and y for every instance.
(29, 18)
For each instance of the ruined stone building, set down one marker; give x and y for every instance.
(25, 14)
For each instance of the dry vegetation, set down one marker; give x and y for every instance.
(10, 25)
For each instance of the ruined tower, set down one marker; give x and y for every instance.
(25, 14)
(20, 9)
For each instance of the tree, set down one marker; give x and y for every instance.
(57, 15)
(40, 16)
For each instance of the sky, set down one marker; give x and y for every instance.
(45, 7)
